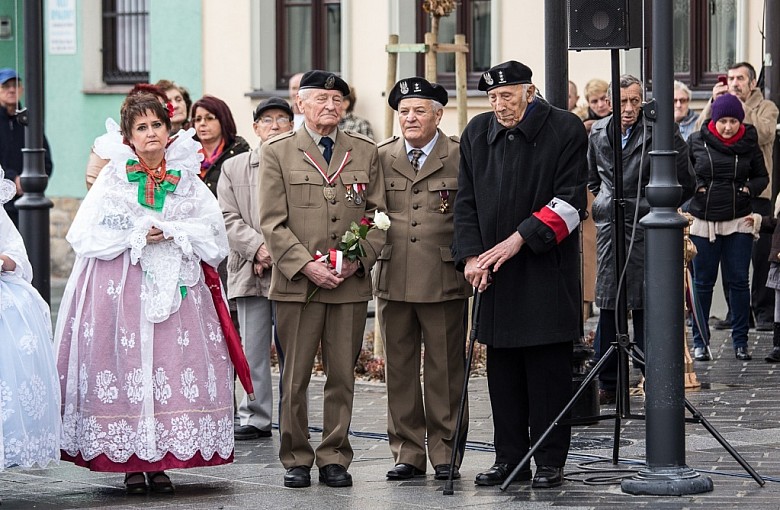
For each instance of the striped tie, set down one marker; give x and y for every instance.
(416, 154)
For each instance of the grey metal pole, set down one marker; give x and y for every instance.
(556, 65)
(33, 205)
(666, 472)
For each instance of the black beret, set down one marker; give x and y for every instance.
(324, 80)
(273, 103)
(511, 72)
(416, 87)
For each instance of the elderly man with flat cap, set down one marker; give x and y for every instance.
(421, 296)
(249, 265)
(521, 196)
(315, 182)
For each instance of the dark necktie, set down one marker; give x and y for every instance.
(416, 154)
(328, 152)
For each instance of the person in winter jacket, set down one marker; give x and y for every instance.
(730, 171)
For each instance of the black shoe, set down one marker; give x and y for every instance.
(607, 397)
(249, 432)
(773, 356)
(547, 477)
(765, 326)
(335, 475)
(159, 482)
(720, 324)
(404, 472)
(135, 483)
(742, 354)
(701, 354)
(297, 477)
(498, 473)
(443, 472)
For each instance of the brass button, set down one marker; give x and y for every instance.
(416, 190)
(333, 218)
(416, 206)
(413, 239)
(414, 223)
(333, 236)
(306, 178)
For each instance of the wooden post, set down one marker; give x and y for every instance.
(392, 65)
(430, 56)
(460, 82)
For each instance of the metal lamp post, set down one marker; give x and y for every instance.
(666, 472)
(33, 205)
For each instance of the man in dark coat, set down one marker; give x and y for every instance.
(521, 196)
(636, 140)
(12, 137)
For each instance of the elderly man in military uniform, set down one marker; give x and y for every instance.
(316, 181)
(521, 197)
(421, 297)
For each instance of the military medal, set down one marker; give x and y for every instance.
(348, 194)
(357, 195)
(329, 190)
(444, 207)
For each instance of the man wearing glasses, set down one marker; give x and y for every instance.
(249, 265)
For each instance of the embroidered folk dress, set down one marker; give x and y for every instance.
(29, 391)
(145, 375)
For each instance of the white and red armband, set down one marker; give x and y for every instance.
(560, 217)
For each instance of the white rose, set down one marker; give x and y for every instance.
(381, 220)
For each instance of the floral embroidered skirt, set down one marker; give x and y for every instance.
(29, 391)
(139, 396)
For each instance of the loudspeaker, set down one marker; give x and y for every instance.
(604, 24)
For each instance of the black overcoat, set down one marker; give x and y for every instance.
(506, 175)
(636, 176)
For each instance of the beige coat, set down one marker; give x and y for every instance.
(416, 264)
(237, 192)
(298, 221)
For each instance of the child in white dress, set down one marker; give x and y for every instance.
(30, 421)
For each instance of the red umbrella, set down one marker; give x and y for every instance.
(237, 356)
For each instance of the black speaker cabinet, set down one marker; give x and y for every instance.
(605, 24)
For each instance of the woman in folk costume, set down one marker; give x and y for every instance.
(29, 391)
(145, 375)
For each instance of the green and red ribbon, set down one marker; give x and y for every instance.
(152, 192)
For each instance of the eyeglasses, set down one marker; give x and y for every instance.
(681, 100)
(267, 121)
(205, 118)
(10, 84)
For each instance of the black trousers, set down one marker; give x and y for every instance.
(528, 387)
(606, 333)
(762, 299)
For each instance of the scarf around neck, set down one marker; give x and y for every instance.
(153, 186)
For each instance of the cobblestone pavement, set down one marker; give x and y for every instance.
(739, 398)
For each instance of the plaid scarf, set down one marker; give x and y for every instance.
(152, 189)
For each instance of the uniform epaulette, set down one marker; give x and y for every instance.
(389, 140)
(279, 137)
(455, 138)
(360, 136)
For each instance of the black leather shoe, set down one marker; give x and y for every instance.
(249, 432)
(773, 356)
(335, 475)
(297, 477)
(742, 354)
(404, 472)
(764, 326)
(607, 397)
(547, 477)
(442, 472)
(498, 473)
(720, 324)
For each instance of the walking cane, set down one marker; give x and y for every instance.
(462, 406)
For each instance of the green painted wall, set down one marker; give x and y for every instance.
(8, 47)
(74, 117)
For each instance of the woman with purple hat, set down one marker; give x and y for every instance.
(730, 171)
